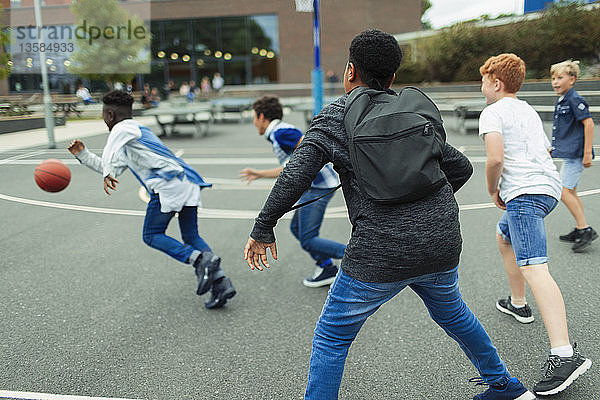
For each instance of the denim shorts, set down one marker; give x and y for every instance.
(571, 171)
(523, 226)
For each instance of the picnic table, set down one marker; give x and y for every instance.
(168, 115)
(468, 113)
(12, 105)
(231, 108)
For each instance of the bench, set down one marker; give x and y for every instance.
(66, 104)
(15, 105)
(468, 114)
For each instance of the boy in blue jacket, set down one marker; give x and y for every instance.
(572, 137)
(307, 220)
(173, 186)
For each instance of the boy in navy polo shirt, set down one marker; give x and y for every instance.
(307, 220)
(572, 137)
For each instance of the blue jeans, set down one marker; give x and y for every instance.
(522, 224)
(350, 302)
(155, 226)
(306, 224)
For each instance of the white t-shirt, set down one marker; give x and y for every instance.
(528, 167)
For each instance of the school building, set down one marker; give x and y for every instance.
(248, 42)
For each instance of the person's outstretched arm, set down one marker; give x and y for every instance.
(250, 174)
(84, 156)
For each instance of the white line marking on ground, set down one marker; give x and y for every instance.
(202, 212)
(213, 213)
(48, 396)
(10, 160)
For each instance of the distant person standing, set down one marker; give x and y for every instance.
(332, 79)
(217, 82)
(194, 91)
(572, 138)
(205, 87)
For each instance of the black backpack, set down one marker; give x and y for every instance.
(396, 143)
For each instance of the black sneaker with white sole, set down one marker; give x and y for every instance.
(522, 314)
(584, 239)
(560, 372)
(322, 276)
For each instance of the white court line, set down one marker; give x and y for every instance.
(48, 396)
(211, 213)
(9, 160)
(208, 213)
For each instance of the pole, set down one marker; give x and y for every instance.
(317, 73)
(48, 116)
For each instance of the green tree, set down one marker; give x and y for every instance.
(425, 23)
(115, 46)
(565, 30)
(4, 54)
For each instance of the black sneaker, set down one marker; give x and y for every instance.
(523, 314)
(205, 265)
(584, 240)
(322, 276)
(221, 292)
(571, 236)
(560, 372)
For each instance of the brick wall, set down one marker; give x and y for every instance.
(341, 20)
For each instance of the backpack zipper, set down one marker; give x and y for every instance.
(425, 129)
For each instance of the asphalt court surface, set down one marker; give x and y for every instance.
(87, 309)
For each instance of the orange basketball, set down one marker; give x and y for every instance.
(52, 175)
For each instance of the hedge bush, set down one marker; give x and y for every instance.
(563, 31)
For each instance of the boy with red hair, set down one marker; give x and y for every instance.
(523, 181)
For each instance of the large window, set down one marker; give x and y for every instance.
(243, 49)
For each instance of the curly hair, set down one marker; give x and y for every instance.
(269, 106)
(118, 98)
(376, 55)
(507, 67)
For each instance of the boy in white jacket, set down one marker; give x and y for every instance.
(173, 186)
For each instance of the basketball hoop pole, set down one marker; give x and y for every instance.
(48, 116)
(317, 73)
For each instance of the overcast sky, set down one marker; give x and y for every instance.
(447, 12)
